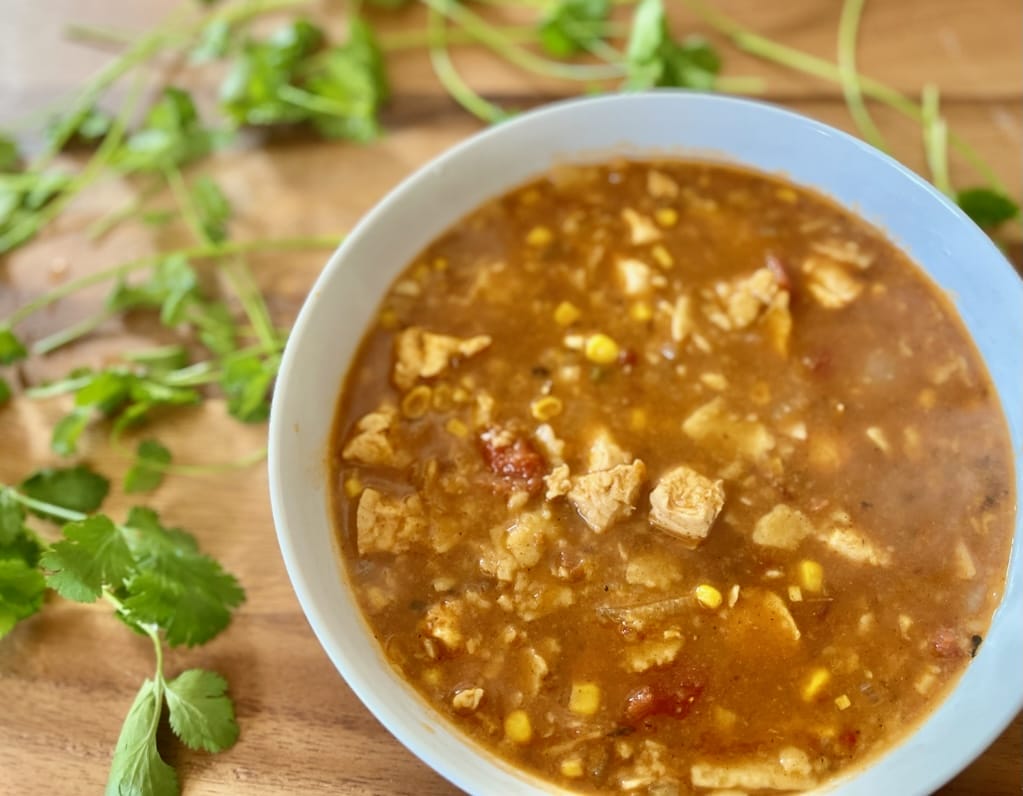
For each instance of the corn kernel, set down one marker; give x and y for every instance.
(572, 767)
(422, 272)
(641, 311)
(666, 216)
(795, 594)
(601, 349)
(566, 313)
(662, 256)
(440, 264)
(815, 682)
(545, 408)
(388, 319)
(517, 727)
(585, 699)
(353, 486)
(637, 418)
(432, 676)
(842, 702)
(708, 596)
(460, 395)
(787, 195)
(811, 576)
(416, 402)
(456, 428)
(539, 236)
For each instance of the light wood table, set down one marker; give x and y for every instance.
(68, 675)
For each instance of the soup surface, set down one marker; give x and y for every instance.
(672, 478)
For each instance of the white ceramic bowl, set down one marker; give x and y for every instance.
(935, 233)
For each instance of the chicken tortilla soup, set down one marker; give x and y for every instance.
(671, 478)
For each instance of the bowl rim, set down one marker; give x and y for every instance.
(932, 776)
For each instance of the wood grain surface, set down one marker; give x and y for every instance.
(68, 675)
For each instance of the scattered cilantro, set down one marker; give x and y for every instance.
(17, 542)
(171, 135)
(137, 768)
(146, 474)
(67, 431)
(179, 589)
(74, 488)
(214, 42)
(92, 554)
(246, 382)
(9, 157)
(200, 713)
(987, 207)
(212, 208)
(5, 391)
(11, 348)
(572, 26)
(655, 59)
(388, 5)
(21, 592)
(91, 128)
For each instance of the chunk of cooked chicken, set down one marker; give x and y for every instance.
(851, 543)
(830, 283)
(782, 527)
(371, 444)
(634, 276)
(604, 453)
(716, 427)
(686, 504)
(443, 621)
(422, 354)
(386, 524)
(606, 496)
(790, 770)
(642, 229)
(559, 482)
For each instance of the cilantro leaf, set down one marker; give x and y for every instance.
(84, 128)
(67, 431)
(146, 473)
(5, 391)
(349, 87)
(655, 59)
(137, 769)
(11, 348)
(571, 26)
(213, 208)
(76, 488)
(12, 517)
(21, 592)
(201, 714)
(93, 553)
(172, 287)
(250, 94)
(177, 588)
(9, 157)
(246, 382)
(171, 135)
(214, 42)
(986, 206)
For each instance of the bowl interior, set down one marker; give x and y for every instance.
(955, 254)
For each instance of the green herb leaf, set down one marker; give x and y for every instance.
(137, 769)
(387, 5)
(201, 714)
(654, 59)
(12, 517)
(91, 127)
(172, 287)
(986, 206)
(247, 381)
(179, 589)
(68, 430)
(147, 472)
(5, 391)
(214, 42)
(11, 348)
(75, 488)
(250, 94)
(171, 136)
(10, 159)
(21, 592)
(212, 207)
(571, 26)
(92, 554)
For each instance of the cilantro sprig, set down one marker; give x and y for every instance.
(156, 580)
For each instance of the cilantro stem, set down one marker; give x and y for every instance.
(848, 28)
(935, 135)
(449, 77)
(154, 635)
(516, 34)
(92, 34)
(206, 252)
(765, 49)
(72, 332)
(108, 221)
(491, 37)
(46, 508)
